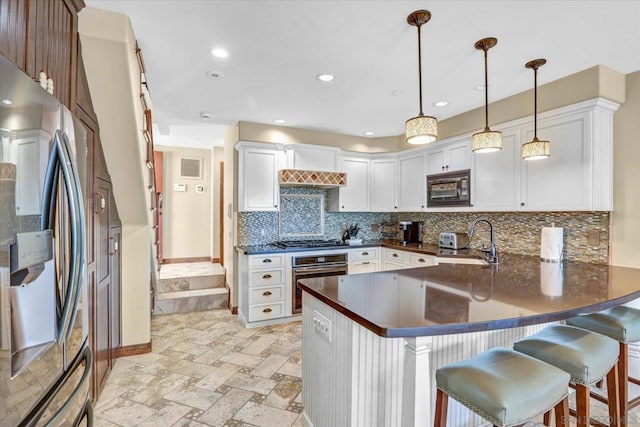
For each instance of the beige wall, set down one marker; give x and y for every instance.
(108, 52)
(625, 231)
(186, 216)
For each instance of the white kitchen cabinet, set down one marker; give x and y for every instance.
(393, 259)
(495, 184)
(384, 184)
(422, 260)
(355, 196)
(262, 288)
(363, 260)
(311, 157)
(412, 182)
(29, 152)
(258, 166)
(449, 157)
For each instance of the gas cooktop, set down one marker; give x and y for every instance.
(288, 244)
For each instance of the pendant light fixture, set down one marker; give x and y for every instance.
(488, 140)
(535, 149)
(420, 129)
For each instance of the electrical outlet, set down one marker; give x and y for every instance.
(322, 325)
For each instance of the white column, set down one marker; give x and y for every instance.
(416, 390)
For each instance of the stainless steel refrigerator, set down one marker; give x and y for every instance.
(45, 361)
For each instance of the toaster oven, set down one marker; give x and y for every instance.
(449, 189)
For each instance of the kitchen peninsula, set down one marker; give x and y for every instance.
(372, 342)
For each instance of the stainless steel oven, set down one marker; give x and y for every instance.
(305, 267)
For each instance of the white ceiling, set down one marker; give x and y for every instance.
(276, 49)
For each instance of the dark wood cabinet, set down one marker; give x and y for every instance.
(13, 30)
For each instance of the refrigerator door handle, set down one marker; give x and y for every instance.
(69, 298)
(88, 357)
(49, 188)
(80, 236)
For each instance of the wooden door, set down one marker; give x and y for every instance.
(13, 30)
(101, 330)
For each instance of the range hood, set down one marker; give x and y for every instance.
(297, 177)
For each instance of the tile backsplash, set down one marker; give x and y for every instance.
(586, 234)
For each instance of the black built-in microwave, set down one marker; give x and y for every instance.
(449, 189)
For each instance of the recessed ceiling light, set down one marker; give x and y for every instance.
(220, 53)
(369, 133)
(7, 101)
(325, 77)
(441, 103)
(205, 115)
(280, 121)
(214, 74)
(480, 87)
(396, 92)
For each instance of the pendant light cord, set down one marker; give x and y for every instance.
(420, 67)
(535, 103)
(486, 92)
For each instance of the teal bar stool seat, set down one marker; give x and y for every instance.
(504, 387)
(623, 325)
(586, 356)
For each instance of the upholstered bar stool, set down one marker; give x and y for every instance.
(622, 324)
(586, 356)
(504, 387)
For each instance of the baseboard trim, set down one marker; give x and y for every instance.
(132, 350)
(215, 260)
(188, 259)
(233, 310)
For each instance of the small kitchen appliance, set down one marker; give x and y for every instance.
(452, 240)
(411, 232)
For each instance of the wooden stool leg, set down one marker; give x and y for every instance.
(613, 396)
(442, 401)
(582, 405)
(562, 413)
(623, 386)
(546, 420)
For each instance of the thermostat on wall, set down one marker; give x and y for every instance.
(199, 188)
(179, 187)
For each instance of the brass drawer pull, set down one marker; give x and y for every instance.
(266, 260)
(267, 293)
(421, 260)
(366, 262)
(395, 255)
(266, 276)
(365, 253)
(266, 310)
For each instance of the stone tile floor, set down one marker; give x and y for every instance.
(206, 369)
(190, 269)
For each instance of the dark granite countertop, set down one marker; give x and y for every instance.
(412, 247)
(458, 298)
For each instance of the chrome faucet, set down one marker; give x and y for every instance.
(491, 254)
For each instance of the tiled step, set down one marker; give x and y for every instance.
(175, 284)
(190, 300)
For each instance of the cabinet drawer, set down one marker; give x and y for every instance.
(422, 260)
(266, 277)
(266, 261)
(363, 267)
(266, 311)
(267, 295)
(396, 256)
(363, 254)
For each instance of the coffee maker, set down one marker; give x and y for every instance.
(411, 232)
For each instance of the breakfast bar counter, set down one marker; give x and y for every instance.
(372, 342)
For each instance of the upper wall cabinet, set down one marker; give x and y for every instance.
(449, 157)
(354, 197)
(258, 166)
(312, 157)
(577, 176)
(412, 182)
(384, 184)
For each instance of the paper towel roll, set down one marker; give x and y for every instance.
(551, 243)
(551, 279)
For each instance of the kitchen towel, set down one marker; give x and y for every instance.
(551, 244)
(551, 279)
